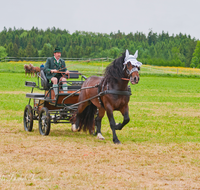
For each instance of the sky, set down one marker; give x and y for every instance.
(104, 16)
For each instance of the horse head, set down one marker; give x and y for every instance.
(132, 67)
(31, 65)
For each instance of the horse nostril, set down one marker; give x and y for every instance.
(135, 79)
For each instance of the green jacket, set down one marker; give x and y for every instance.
(52, 64)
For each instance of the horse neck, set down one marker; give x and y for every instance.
(116, 83)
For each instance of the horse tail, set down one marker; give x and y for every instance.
(86, 118)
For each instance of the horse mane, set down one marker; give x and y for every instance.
(115, 69)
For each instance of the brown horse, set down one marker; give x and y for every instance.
(111, 92)
(34, 69)
(27, 69)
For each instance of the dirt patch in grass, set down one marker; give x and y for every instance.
(31, 161)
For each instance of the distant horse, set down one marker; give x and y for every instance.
(112, 93)
(27, 69)
(34, 69)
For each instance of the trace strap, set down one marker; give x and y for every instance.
(116, 92)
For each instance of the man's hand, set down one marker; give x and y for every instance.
(54, 71)
(67, 72)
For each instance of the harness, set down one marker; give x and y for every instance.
(100, 91)
(131, 71)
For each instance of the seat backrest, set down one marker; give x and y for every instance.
(74, 75)
(44, 81)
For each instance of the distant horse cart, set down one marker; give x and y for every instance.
(86, 101)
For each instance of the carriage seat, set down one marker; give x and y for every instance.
(45, 82)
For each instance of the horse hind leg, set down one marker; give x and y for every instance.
(79, 117)
(98, 123)
(75, 126)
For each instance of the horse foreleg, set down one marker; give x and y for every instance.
(98, 123)
(112, 126)
(125, 113)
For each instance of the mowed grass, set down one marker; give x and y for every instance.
(160, 145)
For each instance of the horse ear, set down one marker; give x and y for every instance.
(136, 54)
(127, 53)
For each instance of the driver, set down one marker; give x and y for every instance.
(52, 66)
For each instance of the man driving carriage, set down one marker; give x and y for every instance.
(52, 67)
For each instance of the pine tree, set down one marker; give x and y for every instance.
(3, 52)
(196, 56)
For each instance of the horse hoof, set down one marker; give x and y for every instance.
(118, 126)
(74, 129)
(100, 136)
(118, 142)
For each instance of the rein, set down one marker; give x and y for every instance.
(125, 79)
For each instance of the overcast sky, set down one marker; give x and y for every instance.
(104, 16)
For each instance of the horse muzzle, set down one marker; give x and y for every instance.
(134, 80)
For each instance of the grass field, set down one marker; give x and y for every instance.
(90, 68)
(160, 146)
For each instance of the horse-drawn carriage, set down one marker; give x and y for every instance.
(49, 109)
(87, 100)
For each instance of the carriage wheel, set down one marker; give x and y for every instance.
(28, 118)
(44, 121)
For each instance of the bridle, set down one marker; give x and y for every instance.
(129, 72)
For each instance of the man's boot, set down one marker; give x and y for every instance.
(55, 89)
(65, 88)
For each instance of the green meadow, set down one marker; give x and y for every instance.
(160, 145)
(162, 109)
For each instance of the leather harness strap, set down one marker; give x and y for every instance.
(114, 92)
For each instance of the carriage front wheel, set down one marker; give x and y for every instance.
(44, 121)
(28, 118)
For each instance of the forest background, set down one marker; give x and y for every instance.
(153, 49)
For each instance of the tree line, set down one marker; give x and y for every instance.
(153, 49)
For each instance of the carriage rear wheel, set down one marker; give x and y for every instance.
(28, 118)
(44, 121)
